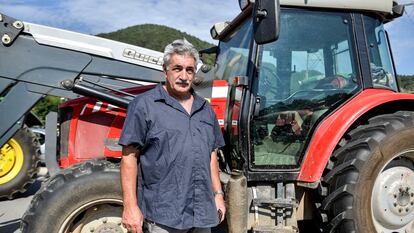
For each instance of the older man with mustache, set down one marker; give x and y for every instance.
(169, 171)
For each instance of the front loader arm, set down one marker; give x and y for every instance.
(35, 60)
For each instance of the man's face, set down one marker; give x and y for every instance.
(180, 73)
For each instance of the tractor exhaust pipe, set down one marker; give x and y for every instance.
(237, 208)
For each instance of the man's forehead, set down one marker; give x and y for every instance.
(182, 60)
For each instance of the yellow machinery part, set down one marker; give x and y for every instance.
(11, 161)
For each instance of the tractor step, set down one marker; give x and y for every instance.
(274, 211)
(275, 229)
(275, 202)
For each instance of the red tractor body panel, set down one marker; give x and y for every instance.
(332, 129)
(95, 128)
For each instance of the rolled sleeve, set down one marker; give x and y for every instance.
(218, 136)
(135, 127)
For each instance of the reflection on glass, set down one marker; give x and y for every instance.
(233, 53)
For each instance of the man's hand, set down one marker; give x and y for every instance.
(132, 219)
(215, 181)
(220, 205)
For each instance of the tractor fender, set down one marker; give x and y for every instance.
(330, 131)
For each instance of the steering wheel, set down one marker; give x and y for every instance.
(335, 82)
(295, 95)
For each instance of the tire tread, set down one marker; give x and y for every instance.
(349, 159)
(56, 182)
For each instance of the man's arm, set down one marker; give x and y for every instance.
(132, 218)
(215, 180)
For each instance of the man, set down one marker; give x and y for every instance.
(174, 134)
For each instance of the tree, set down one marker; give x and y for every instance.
(44, 106)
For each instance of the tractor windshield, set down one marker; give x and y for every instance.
(308, 71)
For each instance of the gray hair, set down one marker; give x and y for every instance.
(180, 47)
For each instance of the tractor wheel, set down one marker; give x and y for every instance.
(371, 184)
(86, 197)
(19, 162)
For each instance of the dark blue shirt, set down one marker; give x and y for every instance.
(174, 181)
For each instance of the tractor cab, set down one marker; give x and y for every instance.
(319, 58)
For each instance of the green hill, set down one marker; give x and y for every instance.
(153, 36)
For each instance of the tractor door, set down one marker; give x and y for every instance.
(233, 64)
(302, 77)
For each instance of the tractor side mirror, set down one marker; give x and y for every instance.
(217, 29)
(266, 16)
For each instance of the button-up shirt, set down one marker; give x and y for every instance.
(174, 179)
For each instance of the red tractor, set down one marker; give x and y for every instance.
(317, 131)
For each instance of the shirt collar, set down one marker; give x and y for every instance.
(162, 94)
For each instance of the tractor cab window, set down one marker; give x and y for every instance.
(301, 77)
(232, 59)
(382, 71)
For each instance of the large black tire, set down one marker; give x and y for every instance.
(364, 181)
(19, 163)
(84, 196)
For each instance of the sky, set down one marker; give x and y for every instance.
(194, 17)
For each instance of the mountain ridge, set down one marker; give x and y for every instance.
(153, 36)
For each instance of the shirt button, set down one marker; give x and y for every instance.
(193, 134)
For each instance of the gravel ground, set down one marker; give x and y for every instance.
(11, 211)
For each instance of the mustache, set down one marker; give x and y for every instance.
(182, 82)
